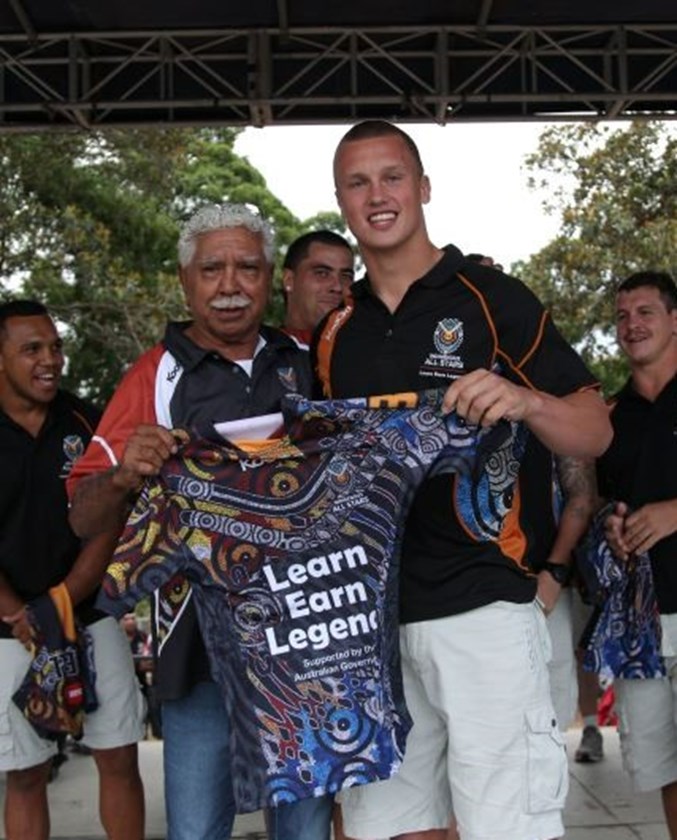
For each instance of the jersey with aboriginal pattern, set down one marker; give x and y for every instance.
(292, 548)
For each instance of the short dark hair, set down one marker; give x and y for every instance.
(298, 250)
(660, 280)
(19, 309)
(368, 129)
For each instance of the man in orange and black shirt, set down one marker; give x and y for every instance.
(472, 639)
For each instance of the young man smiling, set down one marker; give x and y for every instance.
(317, 269)
(639, 472)
(473, 638)
(43, 430)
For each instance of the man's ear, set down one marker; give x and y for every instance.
(425, 189)
(288, 280)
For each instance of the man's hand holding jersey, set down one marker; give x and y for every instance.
(145, 452)
(637, 532)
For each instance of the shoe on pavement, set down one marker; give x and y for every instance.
(591, 748)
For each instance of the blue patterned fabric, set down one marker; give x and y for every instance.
(293, 554)
(625, 639)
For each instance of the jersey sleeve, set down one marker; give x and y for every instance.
(529, 346)
(149, 554)
(132, 404)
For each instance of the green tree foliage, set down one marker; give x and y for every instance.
(616, 194)
(90, 223)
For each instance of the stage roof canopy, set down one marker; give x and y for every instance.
(92, 63)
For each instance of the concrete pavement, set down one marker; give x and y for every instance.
(600, 806)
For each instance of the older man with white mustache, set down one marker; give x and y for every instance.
(223, 364)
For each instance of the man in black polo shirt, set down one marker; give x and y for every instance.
(223, 364)
(639, 471)
(473, 639)
(42, 432)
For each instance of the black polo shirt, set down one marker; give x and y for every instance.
(212, 389)
(37, 546)
(640, 467)
(459, 317)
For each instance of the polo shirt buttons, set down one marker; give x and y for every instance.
(389, 332)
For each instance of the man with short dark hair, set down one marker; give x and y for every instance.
(639, 472)
(43, 431)
(317, 269)
(473, 639)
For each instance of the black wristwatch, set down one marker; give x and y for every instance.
(559, 571)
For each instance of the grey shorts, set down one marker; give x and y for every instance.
(119, 720)
(562, 664)
(484, 735)
(647, 725)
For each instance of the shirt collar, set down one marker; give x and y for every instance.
(190, 355)
(628, 390)
(438, 275)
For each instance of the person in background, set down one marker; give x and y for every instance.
(141, 647)
(317, 270)
(427, 317)
(43, 431)
(138, 640)
(483, 259)
(223, 364)
(639, 473)
(318, 267)
(591, 747)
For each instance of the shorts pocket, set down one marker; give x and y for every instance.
(547, 771)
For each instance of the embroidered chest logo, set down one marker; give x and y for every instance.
(444, 362)
(73, 447)
(287, 377)
(448, 336)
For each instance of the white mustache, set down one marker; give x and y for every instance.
(231, 302)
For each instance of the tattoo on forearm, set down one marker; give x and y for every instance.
(577, 477)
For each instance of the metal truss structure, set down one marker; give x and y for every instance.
(324, 74)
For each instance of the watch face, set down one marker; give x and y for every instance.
(558, 571)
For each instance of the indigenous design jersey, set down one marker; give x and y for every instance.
(177, 383)
(294, 547)
(624, 638)
(457, 318)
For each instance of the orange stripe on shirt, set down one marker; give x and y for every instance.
(537, 341)
(498, 351)
(512, 540)
(487, 313)
(325, 345)
(85, 422)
